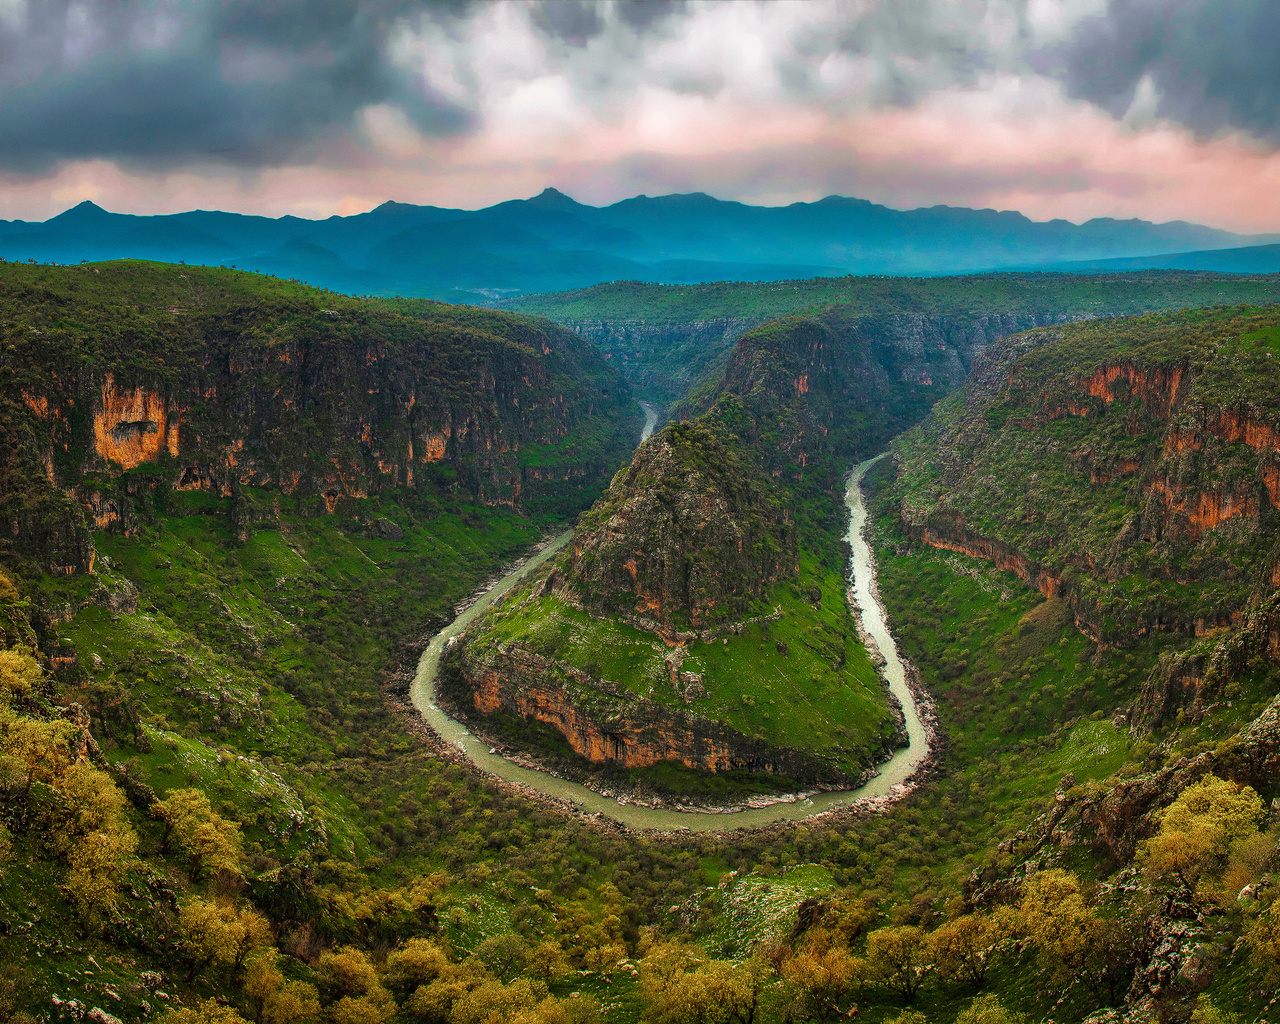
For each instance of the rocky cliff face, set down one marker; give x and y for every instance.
(1139, 482)
(1130, 467)
(321, 397)
(689, 534)
(605, 723)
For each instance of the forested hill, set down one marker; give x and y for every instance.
(665, 338)
(126, 382)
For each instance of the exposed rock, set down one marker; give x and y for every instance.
(385, 529)
(626, 730)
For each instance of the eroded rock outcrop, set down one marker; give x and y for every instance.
(605, 723)
(690, 533)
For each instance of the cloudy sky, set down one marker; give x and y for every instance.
(1162, 109)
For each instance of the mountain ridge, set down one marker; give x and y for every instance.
(675, 238)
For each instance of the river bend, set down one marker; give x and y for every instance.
(893, 773)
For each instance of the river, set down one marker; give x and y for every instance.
(893, 773)
(650, 421)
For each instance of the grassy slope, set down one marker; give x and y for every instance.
(822, 695)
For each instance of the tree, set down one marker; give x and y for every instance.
(715, 992)
(505, 955)
(1264, 944)
(897, 958)
(1198, 829)
(823, 980)
(418, 962)
(98, 865)
(350, 983)
(39, 751)
(1073, 940)
(964, 948)
(274, 1000)
(217, 932)
(989, 1010)
(493, 1001)
(211, 842)
(546, 961)
(19, 674)
(206, 1011)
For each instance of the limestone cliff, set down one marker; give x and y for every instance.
(1130, 467)
(317, 396)
(606, 724)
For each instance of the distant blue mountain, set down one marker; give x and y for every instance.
(551, 242)
(1250, 259)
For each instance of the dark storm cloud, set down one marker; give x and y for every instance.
(1214, 65)
(571, 21)
(166, 84)
(642, 14)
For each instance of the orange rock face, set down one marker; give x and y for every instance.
(619, 727)
(131, 427)
(1157, 386)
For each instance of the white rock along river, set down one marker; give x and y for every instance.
(893, 773)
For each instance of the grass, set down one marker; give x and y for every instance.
(804, 681)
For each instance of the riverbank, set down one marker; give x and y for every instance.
(893, 779)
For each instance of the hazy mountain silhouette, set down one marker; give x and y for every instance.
(552, 242)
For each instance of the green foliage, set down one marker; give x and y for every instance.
(1198, 830)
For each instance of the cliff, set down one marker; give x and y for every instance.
(604, 723)
(257, 384)
(1130, 467)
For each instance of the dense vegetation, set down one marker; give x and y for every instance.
(213, 807)
(666, 339)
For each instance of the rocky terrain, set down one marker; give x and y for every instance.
(230, 384)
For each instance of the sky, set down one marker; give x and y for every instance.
(1159, 109)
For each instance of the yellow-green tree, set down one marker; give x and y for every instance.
(97, 870)
(19, 674)
(822, 978)
(964, 948)
(211, 842)
(418, 962)
(275, 1000)
(1264, 944)
(218, 932)
(34, 752)
(206, 1011)
(897, 958)
(492, 1002)
(713, 992)
(1198, 829)
(1074, 941)
(351, 986)
(989, 1010)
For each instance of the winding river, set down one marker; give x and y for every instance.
(893, 773)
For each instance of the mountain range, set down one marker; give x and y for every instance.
(551, 242)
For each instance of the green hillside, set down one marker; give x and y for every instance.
(216, 806)
(669, 339)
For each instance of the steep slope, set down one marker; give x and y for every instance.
(127, 382)
(1130, 467)
(666, 338)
